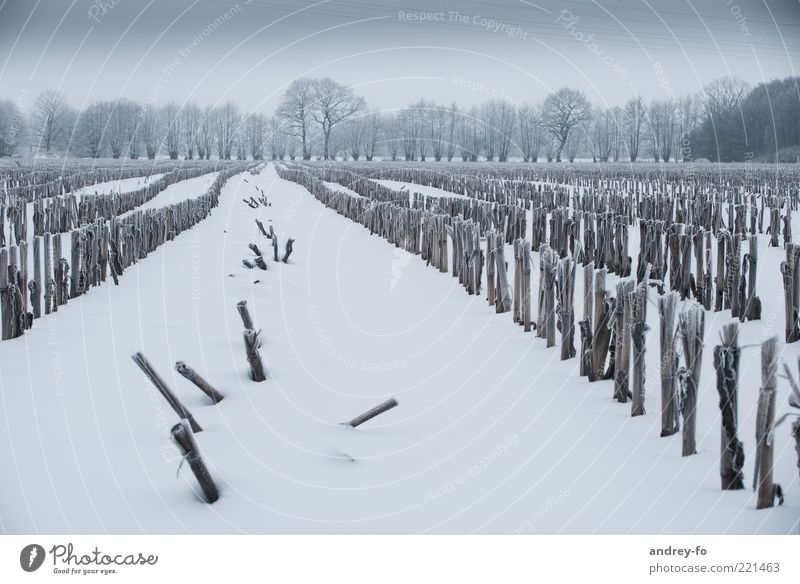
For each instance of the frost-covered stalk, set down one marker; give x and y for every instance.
(184, 440)
(526, 286)
(720, 302)
(165, 391)
(638, 330)
(376, 411)
(691, 329)
(244, 313)
(503, 292)
(490, 286)
(622, 343)
(752, 308)
(566, 306)
(791, 289)
(726, 363)
(670, 417)
(549, 268)
(586, 322)
(765, 420)
(734, 273)
(199, 381)
(517, 312)
(252, 344)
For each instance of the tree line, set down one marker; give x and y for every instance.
(320, 118)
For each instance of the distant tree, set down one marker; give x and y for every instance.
(633, 121)
(149, 129)
(173, 133)
(562, 112)
(11, 127)
(661, 125)
(278, 139)
(92, 127)
(529, 131)
(295, 110)
(122, 127)
(190, 123)
(52, 121)
(256, 134)
(206, 132)
(227, 126)
(333, 103)
(373, 126)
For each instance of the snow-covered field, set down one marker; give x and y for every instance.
(493, 434)
(124, 185)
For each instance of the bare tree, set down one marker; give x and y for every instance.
(498, 125)
(562, 112)
(149, 129)
(633, 120)
(617, 137)
(190, 122)
(411, 128)
(11, 127)
(573, 144)
(294, 111)
(122, 127)
(227, 124)
(171, 123)
(391, 133)
(256, 135)
(688, 116)
(205, 134)
(600, 142)
(52, 121)
(91, 128)
(529, 132)
(278, 139)
(453, 121)
(724, 94)
(661, 123)
(373, 125)
(333, 104)
(470, 136)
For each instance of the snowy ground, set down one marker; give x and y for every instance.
(424, 190)
(493, 433)
(124, 185)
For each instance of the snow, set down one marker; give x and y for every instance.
(189, 188)
(493, 434)
(342, 189)
(425, 191)
(125, 185)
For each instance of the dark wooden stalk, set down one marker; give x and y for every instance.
(566, 306)
(252, 342)
(288, 251)
(165, 391)
(726, 363)
(670, 416)
(765, 421)
(376, 411)
(199, 381)
(639, 329)
(184, 440)
(247, 320)
(691, 328)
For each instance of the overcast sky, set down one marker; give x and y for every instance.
(466, 51)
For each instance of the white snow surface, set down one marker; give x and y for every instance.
(493, 434)
(124, 185)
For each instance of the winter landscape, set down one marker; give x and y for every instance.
(350, 268)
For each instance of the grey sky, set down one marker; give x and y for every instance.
(213, 50)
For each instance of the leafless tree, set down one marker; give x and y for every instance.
(529, 131)
(617, 137)
(453, 121)
(661, 125)
(91, 127)
(52, 121)
(470, 135)
(122, 126)
(373, 125)
(171, 124)
(11, 127)
(724, 94)
(205, 134)
(601, 135)
(256, 134)
(278, 139)
(498, 128)
(634, 116)
(333, 104)
(687, 117)
(294, 111)
(190, 122)
(562, 112)
(227, 125)
(149, 129)
(411, 129)
(391, 132)
(574, 141)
